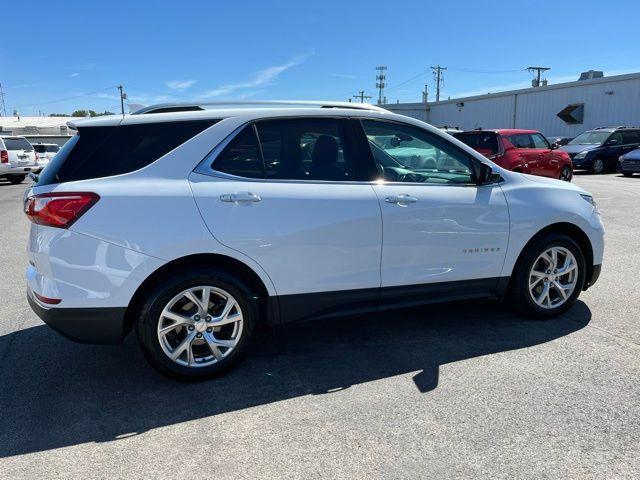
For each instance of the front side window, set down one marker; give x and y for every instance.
(539, 141)
(408, 154)
(593, 137)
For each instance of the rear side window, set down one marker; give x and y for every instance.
(630, 137)
(485, 142)
(106, 151)
(17, 144)
(291, 149)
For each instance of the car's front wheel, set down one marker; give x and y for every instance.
(627, 174)
(566, 174)
(598, 166)
(548, 276)
(196, 325)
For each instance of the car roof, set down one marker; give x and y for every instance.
(513, 131)
(236, 109)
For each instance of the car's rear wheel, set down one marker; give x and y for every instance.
(566, 174)
(548, 276)
(15, 179)
(196, 325)
(627, 174)
(598, 166)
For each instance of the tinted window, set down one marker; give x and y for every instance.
(241, 156)
(484, 142)
(408, 154)
(105, 151)
(630, 136)
(617, 136)
(594, 137)
(521, 140)
(306, 149)
(17, 144)
(539, 141)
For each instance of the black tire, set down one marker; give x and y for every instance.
(598, 166)
(566, 174)
(16, 179)
(627, 174)
(519, 294)
(162, 293)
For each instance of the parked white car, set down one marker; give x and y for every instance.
(45, 151)
(194, 227)
(17, 158)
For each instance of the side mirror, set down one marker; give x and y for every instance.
(485, 174)
(613, 141)
(555, 146)
(395, 142)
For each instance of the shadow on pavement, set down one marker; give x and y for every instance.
(54, 393)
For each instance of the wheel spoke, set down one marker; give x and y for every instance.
(214, 346)
(195, 300)
(225, 317)
(547, 258)
(561, 290)
(544, 295)
(206, 293)
(535, 277)
(178, 320)
(182, 346)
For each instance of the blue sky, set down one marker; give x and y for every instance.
(59, 56)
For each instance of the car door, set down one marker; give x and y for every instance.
(290, 195)
(614, 148)
(630, 141)
(524, 144)
(546, 163)
(442, 234)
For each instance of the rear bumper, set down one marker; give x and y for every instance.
(85, 325)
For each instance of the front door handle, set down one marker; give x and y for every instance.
(242, 197)
(403, 199)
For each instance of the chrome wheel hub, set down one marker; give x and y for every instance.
(553, 277)
(200, 326)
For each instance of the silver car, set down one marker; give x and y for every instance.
(17, 159)
(45, 151)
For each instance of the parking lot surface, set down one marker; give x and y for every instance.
(448, 391)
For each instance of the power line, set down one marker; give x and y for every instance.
(75, 97)
(380, 82)
(361, 96)
(490, 72)
(437, 71)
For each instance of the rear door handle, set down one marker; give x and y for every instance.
(241, 197)
(403, 199)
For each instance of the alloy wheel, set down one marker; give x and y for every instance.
(200, 326)
(553, 277)
(598, 165)
(565, 174)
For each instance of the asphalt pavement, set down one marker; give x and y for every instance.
(462, 390)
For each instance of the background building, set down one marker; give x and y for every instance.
(38, 129)
(563, 109)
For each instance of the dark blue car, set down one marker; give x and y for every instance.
(598, 150)
(629, 163)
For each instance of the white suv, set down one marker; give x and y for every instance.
(17, 158)
(194, 227)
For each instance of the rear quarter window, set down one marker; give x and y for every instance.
(96, 152)
(17, 144)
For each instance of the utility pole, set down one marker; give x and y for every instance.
(2, 105)
(437, 71)
(538, 71)
(380, 82)
(425, 94)
(361, 96)
(123, 96)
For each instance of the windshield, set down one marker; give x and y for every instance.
(590, 138)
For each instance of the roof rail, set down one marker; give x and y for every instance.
(619, 127)
(198, 106)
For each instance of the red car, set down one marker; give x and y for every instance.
(525, 151)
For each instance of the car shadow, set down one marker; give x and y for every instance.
(54, 393)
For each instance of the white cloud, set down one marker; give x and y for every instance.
(343, 75)
(180, 84)
(260, 78)
(75, 74)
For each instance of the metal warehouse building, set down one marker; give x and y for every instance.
(563, 109)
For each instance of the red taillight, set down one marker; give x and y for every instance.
(59, 209)
(37, 157)
(50, 301)
(4, 156)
